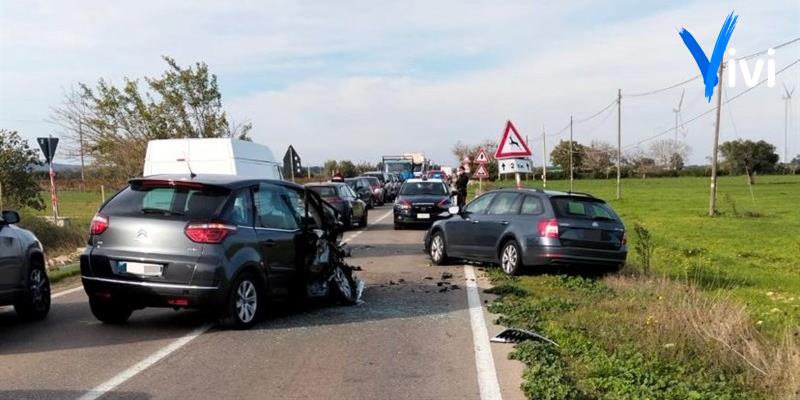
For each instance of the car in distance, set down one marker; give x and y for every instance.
(436, 174)
(23, 278)
(525, 227)
(421, 201)
(352, 210)
(377, 189)
(217, 242)
(363, 189)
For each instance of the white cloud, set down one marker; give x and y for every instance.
(355, 79)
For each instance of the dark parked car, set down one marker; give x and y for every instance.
(421, 201)
(216, 242)
(352, 210)
(23, 278)
(363, 188)
(530, 227)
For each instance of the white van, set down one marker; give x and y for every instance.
(211, 156)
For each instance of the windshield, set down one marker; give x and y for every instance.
(423, 188)
(324, 191)
(398, 166)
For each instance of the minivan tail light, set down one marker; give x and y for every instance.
(209, 233)
(548, 228)
(99, 224)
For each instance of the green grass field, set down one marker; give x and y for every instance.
(751, 251)
(718, 317)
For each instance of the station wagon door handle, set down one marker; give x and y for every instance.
(475, 221)
(268, 243)
(504, 222)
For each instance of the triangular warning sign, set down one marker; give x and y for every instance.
(512, 145)
(481, 172)
(481, 158)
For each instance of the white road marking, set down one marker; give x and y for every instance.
(129, 373)
(357, 234)
(65, 292)
(484, 363)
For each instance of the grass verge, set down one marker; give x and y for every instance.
(59, 274)
(640, 337)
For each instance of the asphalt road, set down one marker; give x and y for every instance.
(409, 339)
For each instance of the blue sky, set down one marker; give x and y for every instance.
(357, 79)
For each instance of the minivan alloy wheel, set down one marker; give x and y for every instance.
(509, 258)
(246, 301)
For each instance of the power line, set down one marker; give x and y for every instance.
(694, 78)
(698, 116)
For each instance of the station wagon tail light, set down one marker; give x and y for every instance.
(548, 228)
(99, 224)
(208, 233)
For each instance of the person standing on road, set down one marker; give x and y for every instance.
(461, 186)
(337, 177)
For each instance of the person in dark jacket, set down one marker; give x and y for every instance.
(461, 186)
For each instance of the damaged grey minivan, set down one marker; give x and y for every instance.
(210, 242)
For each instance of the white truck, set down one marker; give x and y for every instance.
(211, 156)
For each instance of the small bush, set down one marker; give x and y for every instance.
(644, 247)
(56, 240)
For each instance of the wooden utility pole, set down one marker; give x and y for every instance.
(544, 158)
(571, 177)
(712, 201)
(619, 143)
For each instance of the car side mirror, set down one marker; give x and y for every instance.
(10, 217)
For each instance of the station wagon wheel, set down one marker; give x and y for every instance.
(510, 257)
(438, 249)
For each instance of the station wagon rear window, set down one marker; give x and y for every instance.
(324, 191)
(575, 207)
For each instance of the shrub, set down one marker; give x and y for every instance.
(56, 240)
(644, 247)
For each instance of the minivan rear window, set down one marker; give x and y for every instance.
(576, 207)
(196, 202)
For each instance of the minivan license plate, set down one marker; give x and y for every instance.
(423, 216)
(140, 268)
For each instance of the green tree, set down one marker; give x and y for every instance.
(113, 124)
(347, 168)
(749, 157)
(17, 160)
(330, 167)
(560, 155)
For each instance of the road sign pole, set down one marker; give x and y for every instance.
(519, 182)
(480, 185)
(544, 159)
(571, 176)
(712, 200)
(619, 143)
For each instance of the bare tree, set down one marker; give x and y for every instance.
(599, 157)
(664, 152)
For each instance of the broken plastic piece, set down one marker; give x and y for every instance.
(515, 335)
